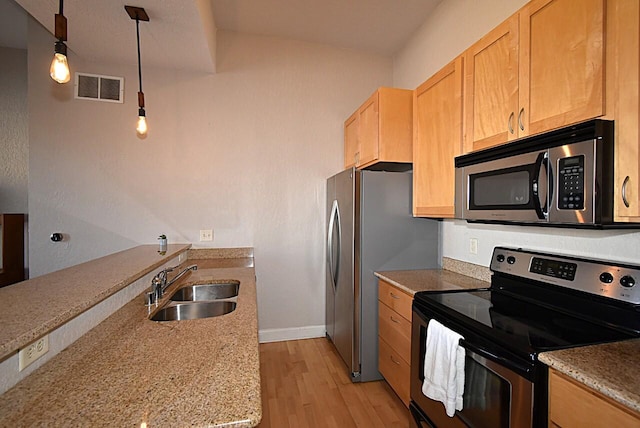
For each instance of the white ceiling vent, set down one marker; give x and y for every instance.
(99, 88)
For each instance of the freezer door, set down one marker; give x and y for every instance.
(340, 241)
(331, 254)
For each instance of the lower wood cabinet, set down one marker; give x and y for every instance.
(573, 404)
(394, 338)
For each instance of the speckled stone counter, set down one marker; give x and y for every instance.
(610, 368)
(130, 371)
(32, 308)
(413, 281)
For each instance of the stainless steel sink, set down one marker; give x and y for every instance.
(193, 310)
(202, 292)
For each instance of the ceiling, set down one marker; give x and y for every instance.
(184, 31)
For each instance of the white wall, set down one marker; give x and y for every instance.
(454, 26)
(245, 152)
(14, 136)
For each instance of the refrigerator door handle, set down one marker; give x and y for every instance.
(334, 222)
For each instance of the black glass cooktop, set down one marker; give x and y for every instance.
(519, 325)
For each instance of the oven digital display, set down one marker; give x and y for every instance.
(554, 268)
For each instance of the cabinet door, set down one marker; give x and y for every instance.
(437, 133)
(368, 130)
(395, 370)
(351, 141)
(623, 105)
(561, 63)
(572, 404)
(491, 88)
(395, 330)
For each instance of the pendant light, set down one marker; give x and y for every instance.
(139, 14)
(59, 70)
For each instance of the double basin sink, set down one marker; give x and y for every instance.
(197, 301)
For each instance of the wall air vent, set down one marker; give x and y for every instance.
(99, 88)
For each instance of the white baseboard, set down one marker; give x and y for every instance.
(295, 333)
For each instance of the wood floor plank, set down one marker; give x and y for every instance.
(305, 384)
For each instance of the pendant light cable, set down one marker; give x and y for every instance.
(139, 14)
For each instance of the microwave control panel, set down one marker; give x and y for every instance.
(571, 185)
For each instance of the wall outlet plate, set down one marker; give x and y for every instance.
(206, 235)
(473, 246)
(32, 352)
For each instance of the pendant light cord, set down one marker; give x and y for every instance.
(139, 66)
(61, 7)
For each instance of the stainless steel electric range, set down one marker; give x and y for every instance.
(537, 302)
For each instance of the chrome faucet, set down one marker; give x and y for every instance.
(178, 276)
(159, 283)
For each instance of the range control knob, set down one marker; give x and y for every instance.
(606, 277)
(500, 258)
(511, 260)
(627, 281)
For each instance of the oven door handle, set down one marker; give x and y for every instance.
(511, 365)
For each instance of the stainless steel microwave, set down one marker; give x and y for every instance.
(561, 178)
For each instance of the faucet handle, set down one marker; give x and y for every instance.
(170, 269)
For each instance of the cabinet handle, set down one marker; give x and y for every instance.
(393, 296)
(510, 122)
(624, 191)
(394, 361)
(520, 119)
(356, 158)
(394, 320)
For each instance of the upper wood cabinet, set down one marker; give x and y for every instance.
(437, 140)
(380, 130)
(491, 88)
(623, 104)
(351, 140)
(541, 69)
(561, 63)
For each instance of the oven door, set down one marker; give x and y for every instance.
(495, 395)
(515, 188)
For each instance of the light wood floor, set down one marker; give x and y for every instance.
(305, 384)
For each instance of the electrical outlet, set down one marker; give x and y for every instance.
(32, 352)
(206, 235)
(473, 246)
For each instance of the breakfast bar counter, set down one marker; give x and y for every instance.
(131, 371)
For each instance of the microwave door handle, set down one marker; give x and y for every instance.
(549, 170)
(537, 166)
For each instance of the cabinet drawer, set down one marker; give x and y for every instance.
(572, 404)
(394, 369)
(397, 300)
(395, 330)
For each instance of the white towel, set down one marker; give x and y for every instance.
(444, 367)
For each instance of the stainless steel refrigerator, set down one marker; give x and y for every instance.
(369, 228)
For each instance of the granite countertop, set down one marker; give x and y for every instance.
(56, 298)
(413, 281)
(130, 371)
(609, 368)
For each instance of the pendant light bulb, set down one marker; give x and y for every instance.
(141, 127)
(59, 70)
